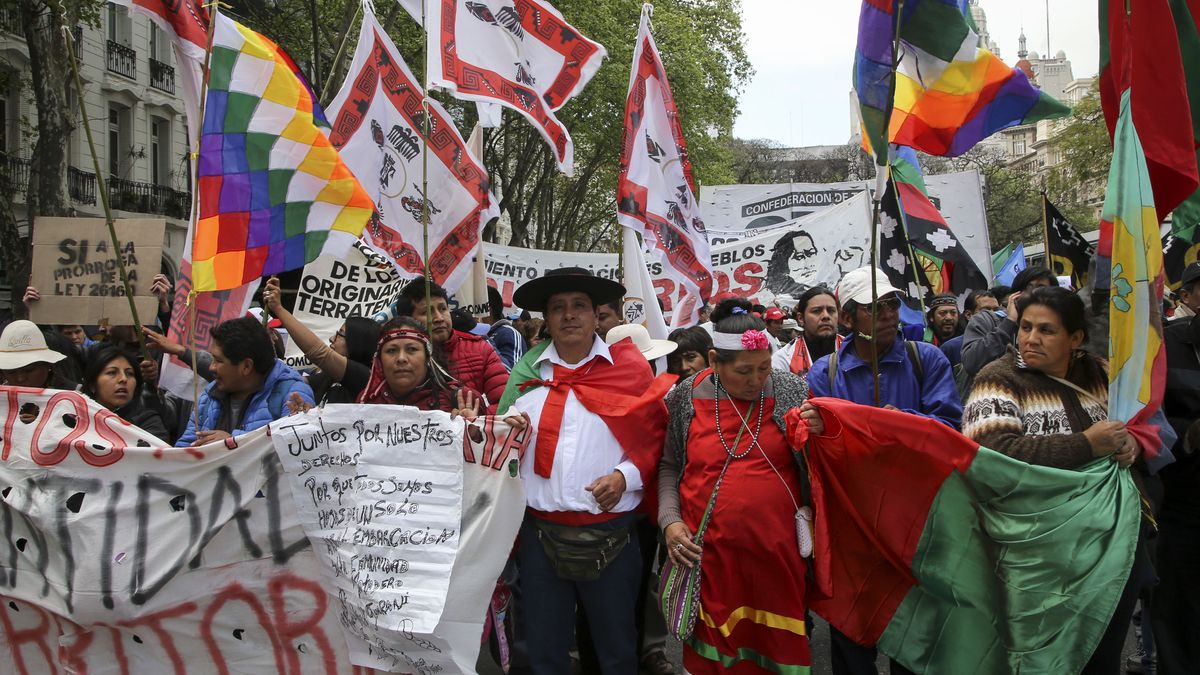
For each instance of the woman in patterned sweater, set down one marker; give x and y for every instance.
(1047, 403)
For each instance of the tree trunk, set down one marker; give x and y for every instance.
(46, 194)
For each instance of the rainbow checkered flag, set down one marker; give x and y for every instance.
(274, 193)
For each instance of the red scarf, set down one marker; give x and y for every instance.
(801, 360)
(624, 393)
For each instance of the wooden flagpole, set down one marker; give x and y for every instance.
(899, 9)
(425, 172)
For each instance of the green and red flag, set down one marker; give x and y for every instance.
(954, 558)
(1154, 169)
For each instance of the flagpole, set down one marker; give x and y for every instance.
(338, 57)
(1045, 235)
(101, 186)
(214, 6)
(887, 168)
(425, 172)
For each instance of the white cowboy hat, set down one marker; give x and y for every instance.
(650, 348)
(22, 344)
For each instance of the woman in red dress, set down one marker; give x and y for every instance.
(726, 428)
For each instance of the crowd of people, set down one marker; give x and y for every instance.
(637, 443)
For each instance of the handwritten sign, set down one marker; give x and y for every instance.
(75, 269)
(120, 555)
(382, 504)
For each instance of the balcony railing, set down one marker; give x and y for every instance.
(14, 174)
(162, 76)
(122, 60)
(11, 21)
(81, 185)
(128, 195)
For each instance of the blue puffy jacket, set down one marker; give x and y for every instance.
(265, 406)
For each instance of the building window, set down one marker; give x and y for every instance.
(1019, 147)
(160, 151)
(119, 147)
(120, 26)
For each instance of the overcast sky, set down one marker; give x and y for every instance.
(802, 53)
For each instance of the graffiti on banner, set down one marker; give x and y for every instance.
(121, 555)
(76, 270)
(332, 290)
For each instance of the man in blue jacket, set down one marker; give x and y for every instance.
(250, 386)
(914, 377)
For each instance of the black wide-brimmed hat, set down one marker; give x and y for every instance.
(534, 294)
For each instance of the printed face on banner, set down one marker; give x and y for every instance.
(378, 125)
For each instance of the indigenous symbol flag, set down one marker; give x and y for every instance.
(656, 195)
(517, 53)
(1137, 358)
(954, 558)
(274, 194)
(378, 125)
(1066, 250)
(1178, 253)
(949, 92)
(910, 220)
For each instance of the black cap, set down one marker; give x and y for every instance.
(1191, 273)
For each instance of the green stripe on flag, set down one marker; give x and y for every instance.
(937, 28)
(1020, 568)
(745, 654)
(1001, 257)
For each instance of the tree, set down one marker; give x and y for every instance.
(50, 82)
(1076, 184)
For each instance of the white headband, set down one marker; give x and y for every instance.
(749, 340)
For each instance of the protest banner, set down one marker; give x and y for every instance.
(75, 270)
(508, 267)
(123, 556)
(361, 284)
(733, 212)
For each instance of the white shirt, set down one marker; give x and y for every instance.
(586, 449)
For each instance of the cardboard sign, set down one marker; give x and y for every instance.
(75, 270)
(122, 556)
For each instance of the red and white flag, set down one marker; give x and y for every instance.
(656, 196)
(517, 53)
(378, 121)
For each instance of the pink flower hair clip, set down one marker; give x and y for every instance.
(755, 339)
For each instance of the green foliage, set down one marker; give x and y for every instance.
(1076, 185)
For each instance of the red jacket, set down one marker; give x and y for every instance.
(476, 365)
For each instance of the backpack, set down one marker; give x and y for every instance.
(914, 357)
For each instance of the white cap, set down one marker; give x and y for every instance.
(650, 348)
(790, 324)
(22, 344)
(856, 286)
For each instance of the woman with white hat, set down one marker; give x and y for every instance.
(25, 360)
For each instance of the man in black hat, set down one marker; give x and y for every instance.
(1189, 293)
(597, 421)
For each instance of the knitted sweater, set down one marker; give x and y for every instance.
(1032, 417)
